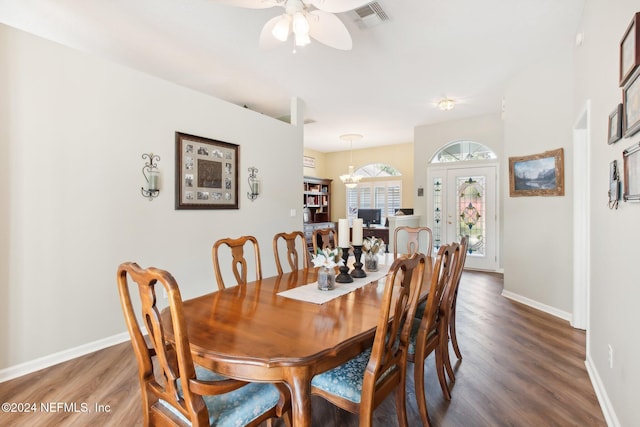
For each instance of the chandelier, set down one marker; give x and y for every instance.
(350, 180)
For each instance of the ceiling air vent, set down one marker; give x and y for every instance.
(370, 15)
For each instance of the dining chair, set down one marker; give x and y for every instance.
(362, 383)
(464, 244)
(239, 265)
(429, 333)
(324, 238)
(175, 391)
(297, 254)
(413, 239)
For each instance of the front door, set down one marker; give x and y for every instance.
(463, 202)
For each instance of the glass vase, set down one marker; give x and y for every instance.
(326, 279)
(370, 261)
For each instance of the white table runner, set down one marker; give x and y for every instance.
(311, 293)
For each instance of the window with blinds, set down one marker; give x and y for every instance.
(384, 195)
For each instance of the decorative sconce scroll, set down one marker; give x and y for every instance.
(151, 174)
(254, 184)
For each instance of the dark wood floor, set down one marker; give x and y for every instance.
(520, 367)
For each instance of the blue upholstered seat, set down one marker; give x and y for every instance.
(236, 408)
(345, 380)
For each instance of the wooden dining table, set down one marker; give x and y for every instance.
(250, 332)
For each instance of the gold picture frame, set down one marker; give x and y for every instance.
(537, 175)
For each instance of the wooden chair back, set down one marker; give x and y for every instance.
(432, 333)
(297, 255)
(161, 366)
(386, 370)
(464, 245)
(239, 265)
(324, 238)
(413, 239)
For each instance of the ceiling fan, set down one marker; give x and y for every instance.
(305, 19)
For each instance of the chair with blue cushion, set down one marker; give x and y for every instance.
(363, 382)
(429, 334)
(297, 254)
(239, 262)
(174, 390)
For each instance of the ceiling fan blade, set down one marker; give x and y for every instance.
(252, 4)
(328, 29)
(267, 40)
(338, 6)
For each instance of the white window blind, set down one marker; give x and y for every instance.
(383, 195)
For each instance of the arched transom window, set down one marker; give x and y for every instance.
(460, 151)
(375, 170)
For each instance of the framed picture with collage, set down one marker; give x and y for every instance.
(206, 173)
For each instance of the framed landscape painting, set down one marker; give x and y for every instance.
(537, 174)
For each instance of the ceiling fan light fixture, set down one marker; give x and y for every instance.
(282, 28)
(300, 24)
(302, 39)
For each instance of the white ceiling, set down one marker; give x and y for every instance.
(388, 84)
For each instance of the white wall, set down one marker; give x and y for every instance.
(538, 230)
(72, 132)
(615, 288)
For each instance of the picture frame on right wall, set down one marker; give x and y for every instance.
(537, 174)
(630, 50)
(631, 177)
(631, 105)
(615, 125)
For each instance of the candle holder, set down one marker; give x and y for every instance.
(344, 276)
(357, 271)
(150, 172)
(254, 184)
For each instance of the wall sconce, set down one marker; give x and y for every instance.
(254, 184)
(151, 174)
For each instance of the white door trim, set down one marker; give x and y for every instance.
(581, 219)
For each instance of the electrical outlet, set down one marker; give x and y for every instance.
(292, 213)
(610, 357)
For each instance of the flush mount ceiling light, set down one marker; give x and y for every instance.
(305, 19)
(350, 180)
(446, 104)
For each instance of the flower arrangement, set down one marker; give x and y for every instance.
(328, 258)
(372, 244)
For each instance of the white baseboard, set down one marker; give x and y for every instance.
(537, 305)
(603, 398)
(62, 356)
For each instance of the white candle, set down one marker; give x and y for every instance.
(255, 187)
(357, 232)
(153, 180)
(343, 233)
